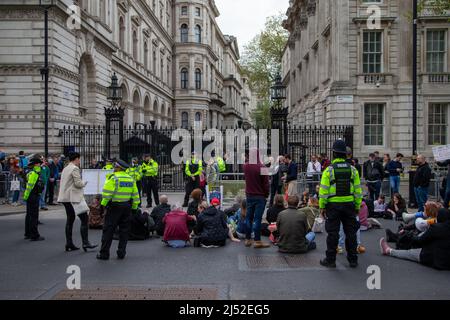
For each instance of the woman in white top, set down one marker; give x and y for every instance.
(70, 193)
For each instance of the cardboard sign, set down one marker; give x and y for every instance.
(441, 153)
(95, 180)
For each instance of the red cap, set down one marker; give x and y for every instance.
(215, 202)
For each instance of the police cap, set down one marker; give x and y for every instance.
(340, 147)
(121, 164)
(34, 161)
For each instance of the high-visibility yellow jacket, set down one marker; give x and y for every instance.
(108, 167)
(194, 167)
(327, 193)
(135, 172)
(120, 187)
(221, 164)
(149, 169)
(32, 179)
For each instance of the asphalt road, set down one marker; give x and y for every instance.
(38, 270)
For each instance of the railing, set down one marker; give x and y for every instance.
(439, 78)
(375, 78)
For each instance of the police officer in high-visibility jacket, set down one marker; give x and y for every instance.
(193, 171)
(33, 191)
(221, 164)
(120, 196)
(135, 171)
(108, 165)
(149, 169)
(340, 199)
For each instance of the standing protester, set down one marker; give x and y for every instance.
(135, 171)
(120, 196)
(422, 182)
(12, 166)
(447, 186)
(313, 173)
(340, 200)
(23, 161)
(373, 173)
(45, 174)
(71, 193)
(291, 177)
(257, 191)
(32, 195)
(276, 185)
(395, 168)
(149, 170)
(353, 161)
(51, 185)
(193, 170)
(324, 161)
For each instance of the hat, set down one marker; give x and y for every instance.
(340, 146)
(121, 164)
(34, 161)
(215, 202)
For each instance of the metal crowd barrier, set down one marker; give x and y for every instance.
(5, 186)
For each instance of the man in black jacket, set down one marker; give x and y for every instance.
(421, 182)
(373, 173)
(447, 189)
(159, 213)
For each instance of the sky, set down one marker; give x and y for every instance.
(245, 18)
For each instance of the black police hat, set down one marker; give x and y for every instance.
(34, 161)
(340, 147)
(122, 164)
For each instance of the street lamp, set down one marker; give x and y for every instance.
(414, 75)
(279, 113)
(114, 113)
(46, 5)
(115, 92)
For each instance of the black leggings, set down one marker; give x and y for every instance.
(84, 229)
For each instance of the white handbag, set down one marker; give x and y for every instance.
(15, 185)
(319, 225)
(80, 207)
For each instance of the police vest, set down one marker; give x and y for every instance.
(221, 164)
(342, 178)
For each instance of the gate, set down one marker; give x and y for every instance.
(99, 143)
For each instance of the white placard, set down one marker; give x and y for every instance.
(95, 180)
(441, 153)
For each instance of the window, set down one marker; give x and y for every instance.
(436, 51)
(198, 117)
(122, 33)
(184, 11)
(154, 61)
(146, 55)
(162, 69)
(198, 79)
(184, 78)
(373, 124)
(184, 120)
(198, 12)
(135, 45)
(372, 52)
(184, 33)
(198, 34)
(438, 124)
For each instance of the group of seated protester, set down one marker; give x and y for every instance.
(392, 210)
(424, 239)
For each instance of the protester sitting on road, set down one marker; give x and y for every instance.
(176, 232)
(196, 196)
(380, 206)
(235, 207)
(432, 246)
(292, 226)
(311, 211)
(237, 222)
(212, 227)
(305, 199)
(273, 211)
(141, 225)
(396, 207)
(158, 214)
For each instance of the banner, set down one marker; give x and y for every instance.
(441, 153)
(95, 180)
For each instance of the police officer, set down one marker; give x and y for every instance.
(340, 198)
(193, 171)
(33, 191)
(135, 171)
(120, 196)
(108, 165)
(150, 173)
(221, 164)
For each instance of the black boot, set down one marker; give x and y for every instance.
(327, 264)
(84, 230)
(69, 243)
(391, 236)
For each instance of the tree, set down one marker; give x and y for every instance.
(439, 7)
(261, 61)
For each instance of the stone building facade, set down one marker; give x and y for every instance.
(169, 74)
(342, 69)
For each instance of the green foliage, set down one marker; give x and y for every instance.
(261, 115)
(439, 7)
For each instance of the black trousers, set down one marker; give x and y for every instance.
(32, 217)
(151, 187)
(117, 215)
(344, 213)
(50, 192)
(191, 185)
(84, 228)
(274, 190)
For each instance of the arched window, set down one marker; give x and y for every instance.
(135, 45)
(122, 33)
(198, 34)
(198, 116)
(184, 33)
(146, 55)
(184, 78)
(184, 120)
(154, 61)
(162, 69)
(198, 79)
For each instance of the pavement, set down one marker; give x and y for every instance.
(37, 270)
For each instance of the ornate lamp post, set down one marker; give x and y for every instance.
(46, 5)
(279, 113)
(114, 113)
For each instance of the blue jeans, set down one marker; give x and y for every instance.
(255, 211)
(342, 235)
(311, 236)
(15, 196)
(421, 194)
(42, 203)
(395, 184)
(374, 190)
(177, 244)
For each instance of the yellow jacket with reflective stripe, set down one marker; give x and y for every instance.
(221, 164)
(32, 178)
(150, 168)
(199, 171)
(327, 193)
(108, 167)
(135, 172)
(120, 187)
